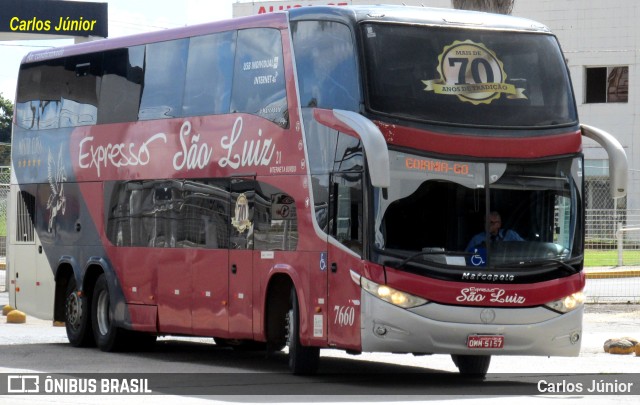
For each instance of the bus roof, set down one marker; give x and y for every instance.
(352, 14)
(420, 15)
(273, 20)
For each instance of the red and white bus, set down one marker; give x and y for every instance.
(310, 179)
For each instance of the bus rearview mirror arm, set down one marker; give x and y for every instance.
(618, 165)
(375, 147)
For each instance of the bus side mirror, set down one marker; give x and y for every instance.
(618, 165)
(375, 146)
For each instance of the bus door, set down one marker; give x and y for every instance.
(173, 266)
(210, 266)
(241, 258)
(344, 256)
(210, 292)
(31, 279)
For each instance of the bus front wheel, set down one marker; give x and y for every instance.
(77, 314)
(472, 366)
(108, 337)
(302, 359)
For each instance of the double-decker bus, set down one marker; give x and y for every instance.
(307, 179)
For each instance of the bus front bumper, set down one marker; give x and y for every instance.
(447, 329)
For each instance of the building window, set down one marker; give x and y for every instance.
(607, 84)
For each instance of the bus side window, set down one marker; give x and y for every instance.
(83, 76)
(275, 219)
(242, 193)
(164, 73)
(27, 99)
(258, 79)
(123, 71)
(347, 209)
(39, 100)
(346, 199)
(169, 213)
(204, 214)
(326, 65)
(209, 74)
(320, 187)
(349, 155)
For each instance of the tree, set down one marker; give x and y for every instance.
(6, 116)
(492, 6)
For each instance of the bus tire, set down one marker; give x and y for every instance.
(302, 359)
(108, 337)
(77, 314)
(472, 366)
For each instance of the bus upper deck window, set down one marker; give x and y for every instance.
(259, 81)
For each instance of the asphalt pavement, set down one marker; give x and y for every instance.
(601, 322)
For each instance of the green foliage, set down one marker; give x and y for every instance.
(5, 154)
(3, 225)
(6, 116)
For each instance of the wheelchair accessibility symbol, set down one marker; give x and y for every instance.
(477, 259)
(323, 261)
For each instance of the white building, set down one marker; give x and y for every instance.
(600, 39)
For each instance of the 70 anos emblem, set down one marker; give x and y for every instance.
(473, 73)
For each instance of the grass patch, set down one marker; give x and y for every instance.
(607, 258)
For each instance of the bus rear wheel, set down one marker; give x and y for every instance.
(472, 366)
(302, 359)
(108, 336)
(77, 313)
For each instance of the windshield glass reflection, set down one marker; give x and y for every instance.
(474, 214)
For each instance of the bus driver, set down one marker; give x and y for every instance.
(496, 233)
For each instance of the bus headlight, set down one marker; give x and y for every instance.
(568, 303)
(391, 295)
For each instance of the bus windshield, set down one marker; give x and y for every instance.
(441, 212)
(467, 77)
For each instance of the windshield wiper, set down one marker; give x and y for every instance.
(415, 255)
(531, 263)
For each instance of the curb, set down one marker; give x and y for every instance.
(600, 274)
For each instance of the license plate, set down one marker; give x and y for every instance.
(485, 341)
